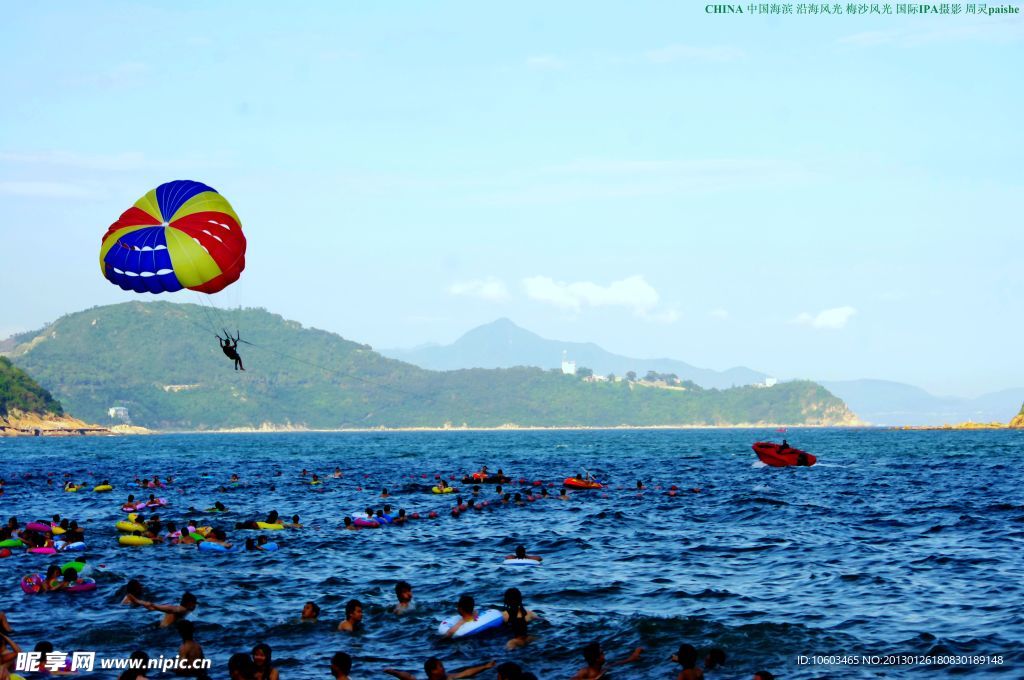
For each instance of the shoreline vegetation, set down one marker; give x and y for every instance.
(346, 387)
(91, 362)
(19, 424)
(68, 427)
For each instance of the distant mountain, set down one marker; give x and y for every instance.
(158, 364)
(503, 344)
(883, 402)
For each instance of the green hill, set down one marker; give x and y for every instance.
(161, 362)
(19, 391)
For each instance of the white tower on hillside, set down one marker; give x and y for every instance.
(568, 367)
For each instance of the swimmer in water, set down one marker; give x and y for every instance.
(7, 658)
(241, 667)
(516, 617)
(687, 658)
(521, 555)
(262, 660)
(763, 675)
(53, 580)
(219, 537)
(596, 663)
(435, 671)
(341, 666)
(403, 592)
(349, 525)
(467, 613)
(714, 659)
(353, 617)
(310, 612)
(173, 613)
(384, 493)
(190, 651)
(563, 495)
(337, 473)
(133, 593)
(510, 670)
(74, 534)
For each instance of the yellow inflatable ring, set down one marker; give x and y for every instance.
(270, 527)
(135, 540)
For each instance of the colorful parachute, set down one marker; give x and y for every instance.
(182, 234)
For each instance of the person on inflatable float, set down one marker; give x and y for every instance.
(467, 610)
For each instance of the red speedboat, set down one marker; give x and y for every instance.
(776, 456)
(576, 483)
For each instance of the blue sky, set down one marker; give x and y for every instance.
(822, 197)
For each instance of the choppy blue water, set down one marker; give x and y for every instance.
(896, 543)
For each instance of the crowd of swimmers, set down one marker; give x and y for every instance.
(258, 665)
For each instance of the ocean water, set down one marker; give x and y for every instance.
(895, 544)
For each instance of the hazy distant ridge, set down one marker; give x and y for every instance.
(503, 344)
(883, 402)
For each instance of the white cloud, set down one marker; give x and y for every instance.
(674, 53)
(832, 319)
(490, 288)
(632, 293)
(44, 190)
(720, 313)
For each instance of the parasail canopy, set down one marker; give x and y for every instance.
(183, 234)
